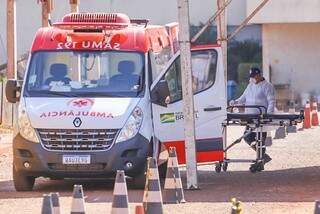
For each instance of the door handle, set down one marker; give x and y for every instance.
(212, 108)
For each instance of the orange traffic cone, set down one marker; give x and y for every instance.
(314, 116)
(120, 202)
(173, 191)
(307, 119)
(139, 209)
(152, 197)
(55, 203)
(77, 206)
(47, 205)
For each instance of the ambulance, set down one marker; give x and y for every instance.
(102, 93)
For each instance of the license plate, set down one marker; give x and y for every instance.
(76, 159)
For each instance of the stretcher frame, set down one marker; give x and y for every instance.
(254, 123)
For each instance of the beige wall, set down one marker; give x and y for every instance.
(293, 52)
(286, 11)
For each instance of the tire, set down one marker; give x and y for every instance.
(260, 167)
(253, 169)
(218, 167)
(139, 180)
(22, 182)
(225, 166)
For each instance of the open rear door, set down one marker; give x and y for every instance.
(209, 100)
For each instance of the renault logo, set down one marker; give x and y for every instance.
(77, 122)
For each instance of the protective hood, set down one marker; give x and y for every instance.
(94, 113)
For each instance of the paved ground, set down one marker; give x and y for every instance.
(290, 183)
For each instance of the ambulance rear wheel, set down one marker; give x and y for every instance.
(22, 182)
(218, 167)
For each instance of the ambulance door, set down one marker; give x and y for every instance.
(209, 103)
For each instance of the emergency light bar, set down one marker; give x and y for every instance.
(85, 21)
(96, 18)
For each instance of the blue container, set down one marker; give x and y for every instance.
(231, 89)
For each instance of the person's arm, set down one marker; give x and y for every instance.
(270, 94)
(242, 98)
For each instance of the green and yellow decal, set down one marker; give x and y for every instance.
(167, 118)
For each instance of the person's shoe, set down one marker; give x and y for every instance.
(267, 158)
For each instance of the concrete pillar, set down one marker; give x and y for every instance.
(47, 6)
(222, 36)
(74, 6)
(11, 40)
(265, 54)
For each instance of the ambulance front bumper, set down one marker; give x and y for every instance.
(32, 159)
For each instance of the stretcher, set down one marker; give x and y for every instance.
(259, 123)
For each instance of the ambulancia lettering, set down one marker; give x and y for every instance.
(75, 114)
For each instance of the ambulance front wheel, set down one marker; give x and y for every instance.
(22, 182)
(139, 181)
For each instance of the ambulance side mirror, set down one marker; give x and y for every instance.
(160, 94)
(13, 91)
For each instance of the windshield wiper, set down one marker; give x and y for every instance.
(102, 94)
(58, 93)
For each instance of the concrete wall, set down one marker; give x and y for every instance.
(292, 51)
(286, 11)
(159, 12)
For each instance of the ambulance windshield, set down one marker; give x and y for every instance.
(85, 74)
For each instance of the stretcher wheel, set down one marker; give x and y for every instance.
(225, 167)
(253, 168)
(260, 167)
(218, 167)
(256, 167)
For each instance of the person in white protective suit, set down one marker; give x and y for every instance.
(261, 93)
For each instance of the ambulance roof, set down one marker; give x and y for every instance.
(96, 32)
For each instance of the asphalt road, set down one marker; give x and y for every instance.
(289, 184)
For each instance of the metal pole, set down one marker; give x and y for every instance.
(46, 10)
(210, 21)
(74, 5)
(11, 40)
(222, 37)
(247, 20)
(188, 106)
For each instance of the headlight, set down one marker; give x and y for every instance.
(132, 126)
(25, 128)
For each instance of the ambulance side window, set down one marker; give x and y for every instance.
(204, 66)
(204, 69)
(173, 77)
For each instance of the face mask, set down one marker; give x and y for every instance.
(253, 80)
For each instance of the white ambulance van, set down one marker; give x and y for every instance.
(93, 100)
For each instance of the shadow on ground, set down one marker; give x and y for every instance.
(289, 185)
